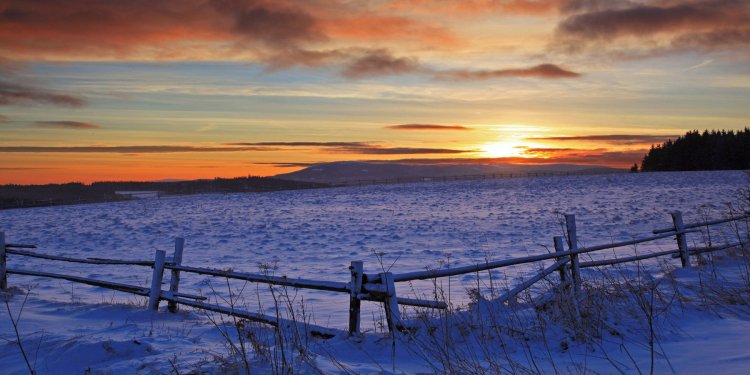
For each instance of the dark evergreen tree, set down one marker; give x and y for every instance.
(695, 151)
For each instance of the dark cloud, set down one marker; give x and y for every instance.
(273, 26)
(289, 164)
(378, 63)
(330, 147)
(622, 139)
(538, 71)
(427, 127)
(301, 144)
(66, 125)
(11, 93)
(379, 150)
(382, 62)
(128, 149)
(546, 150)
(363, 148)
(685, 25)
(585, 157)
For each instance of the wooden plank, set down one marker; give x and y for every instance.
(3, 263)
(700, 250)
(559, 248)
(390, 303)
(265, 319)
(632, 242)
(681, 239)
(421, 303)
(25, 253)
(575, 272)
(174, 279)
(357, 270)
(156, 279)
(608, 262)
(103, 284)
(20, 246)
(182, 295)
(431, 274)
(331, 286)
(706, 223)
(524, 285)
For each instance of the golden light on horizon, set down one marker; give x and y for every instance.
(502, 149)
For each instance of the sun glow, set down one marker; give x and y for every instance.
(502, 149)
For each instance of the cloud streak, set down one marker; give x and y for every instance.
(13, 94)
(126, 149)
(427, 127)
(620, 139)
(76, 125)
(548, 71)
(361, 148)
(380, 63)
(300, 144)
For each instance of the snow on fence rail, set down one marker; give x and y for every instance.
(378, 287)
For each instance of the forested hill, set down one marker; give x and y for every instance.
(18, 196)
(694, 151)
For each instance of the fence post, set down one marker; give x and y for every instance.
(560, 246)
(570, 225)
(357, 269)
(681, 238)
(3, 264)
(392, 314)
(156, 278)
(174, 279)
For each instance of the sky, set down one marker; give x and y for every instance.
(96, 90)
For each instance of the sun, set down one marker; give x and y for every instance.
(502, 149)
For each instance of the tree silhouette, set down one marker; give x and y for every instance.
(695, 151)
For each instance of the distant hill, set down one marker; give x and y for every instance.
(352, 172)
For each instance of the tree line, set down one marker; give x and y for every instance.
(17, 196)
(696, 151)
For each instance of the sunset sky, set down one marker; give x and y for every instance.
(94, 90)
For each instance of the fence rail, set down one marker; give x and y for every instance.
(380, 287)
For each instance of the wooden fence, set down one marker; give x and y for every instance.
(378, 287)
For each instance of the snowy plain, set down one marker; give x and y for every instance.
(316, 234)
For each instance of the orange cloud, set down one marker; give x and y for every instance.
(476, 7)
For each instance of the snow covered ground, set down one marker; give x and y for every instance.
(315, 234)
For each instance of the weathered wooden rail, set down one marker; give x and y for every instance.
(378, 287)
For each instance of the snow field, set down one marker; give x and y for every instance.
(315, 234)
